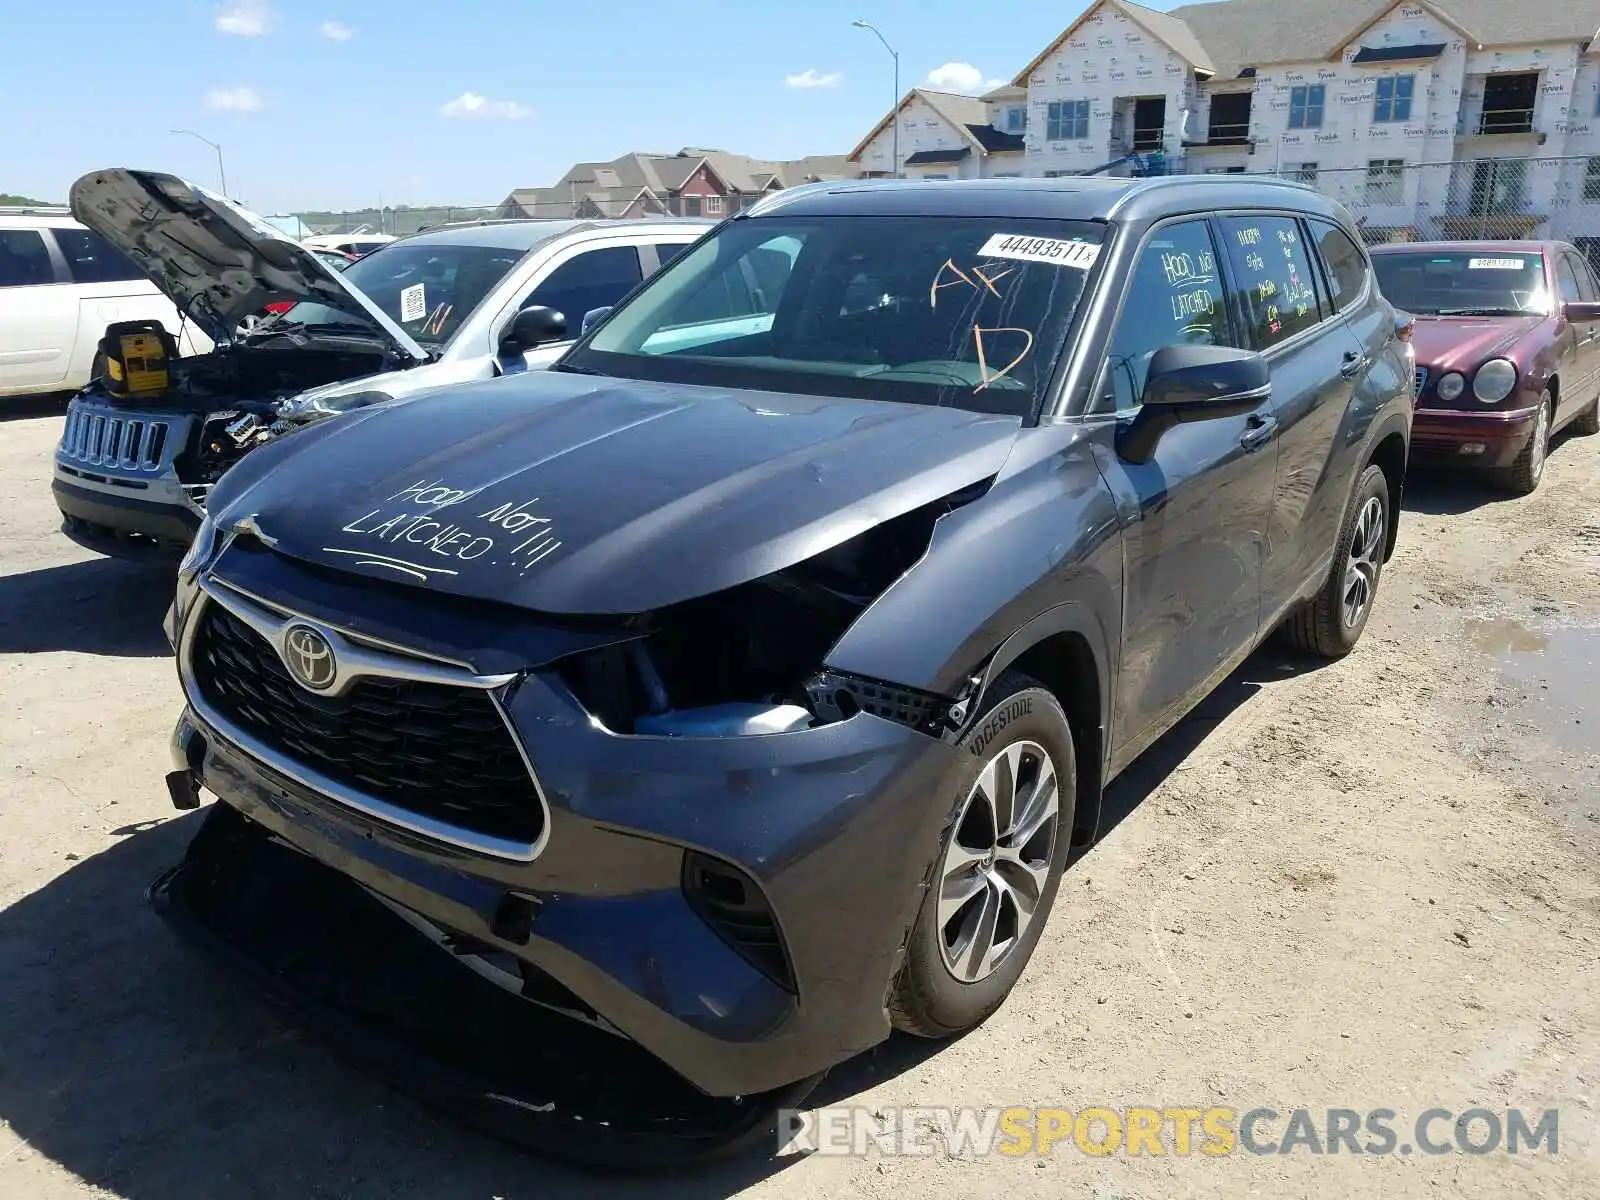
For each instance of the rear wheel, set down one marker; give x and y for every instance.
(998, 866)
(1523, 476)
(1330, 624)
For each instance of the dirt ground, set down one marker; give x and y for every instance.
(1369, 885)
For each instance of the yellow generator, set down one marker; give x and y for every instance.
(137, 355)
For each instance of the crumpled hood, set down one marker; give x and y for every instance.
(573, 494)
(216, 261)
(1464, 343)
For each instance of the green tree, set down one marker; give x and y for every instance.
(26, 201)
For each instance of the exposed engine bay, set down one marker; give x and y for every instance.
(745, 660)
(237, 392)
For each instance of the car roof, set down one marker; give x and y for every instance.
(1068, 197)
(1504, 245)
(525, 235)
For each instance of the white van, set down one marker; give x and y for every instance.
(60, 286)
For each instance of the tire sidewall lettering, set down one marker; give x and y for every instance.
(1009, 711)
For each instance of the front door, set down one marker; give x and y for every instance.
(1580, 391)
(1198, 507)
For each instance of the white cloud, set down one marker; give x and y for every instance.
(813, 78)
(960, 77)
(236, 99)
(336, 31)
(470, 104)
(247, 18)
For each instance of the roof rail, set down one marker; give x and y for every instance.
(29, 210)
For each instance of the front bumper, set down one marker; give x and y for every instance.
(116, 482)
(837, 827)
(1474, 439)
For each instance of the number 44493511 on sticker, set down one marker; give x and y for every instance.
(1057, 251)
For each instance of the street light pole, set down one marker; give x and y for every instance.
(894, 108)
(221, 174)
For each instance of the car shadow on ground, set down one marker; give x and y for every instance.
(23, 408)
(149, 1074)
(1272, 663)
(99, 606)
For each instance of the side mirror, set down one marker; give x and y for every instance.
(534, 326)
(1193, 383)
(1208, 378)
(1581, 312)
(593, 317)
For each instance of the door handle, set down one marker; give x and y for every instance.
(1258, 432)
(1354, 364)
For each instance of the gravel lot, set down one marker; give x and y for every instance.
(1373, 884)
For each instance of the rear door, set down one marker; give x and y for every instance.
(38, 315)
(1313, 333)
(1193, 557)
(110, 288)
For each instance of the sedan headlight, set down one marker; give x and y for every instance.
(1450, 386)
(1495, 380)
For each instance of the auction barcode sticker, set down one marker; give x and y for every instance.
(1058, 251)
(1494, 264)
(413, 303)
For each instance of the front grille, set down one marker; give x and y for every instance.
(437, 750)
(107, 440)
(1422, 379)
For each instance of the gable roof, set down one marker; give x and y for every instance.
(1166, 28)
(958, 111)
(1248, 33)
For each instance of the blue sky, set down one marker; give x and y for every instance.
(341, 103)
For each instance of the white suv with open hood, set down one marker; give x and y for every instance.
(451, 305)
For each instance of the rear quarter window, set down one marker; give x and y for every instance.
(92, 259)
(1344, 262)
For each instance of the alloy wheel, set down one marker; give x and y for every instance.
(1540, 447)
(1366, 556)
(994, 870)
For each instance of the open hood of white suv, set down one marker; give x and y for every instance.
(218, 262)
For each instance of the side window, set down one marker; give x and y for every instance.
(1587, 288)
(1566, 280)
(593, 279)
(1174, 298)
(24, 259)
(1346, 264)
(667, 251)
(1277, 292)
(92, 259)
(748, 286)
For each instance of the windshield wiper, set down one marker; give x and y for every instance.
(569, 369)
(1485, 312)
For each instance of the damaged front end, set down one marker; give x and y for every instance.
(620, 889)
(748, 660)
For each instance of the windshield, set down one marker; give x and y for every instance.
(429, 290)
(1485, 283)
(968, 312)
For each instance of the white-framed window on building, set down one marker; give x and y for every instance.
(1386, 179)
(1393, 99)
(691, 206)
(1305, 106)
(1305, 173)
(1016, 119)
(1066, 120)
(713, 204)
(1591, 180)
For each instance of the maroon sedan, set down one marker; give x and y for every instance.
(1508, 349)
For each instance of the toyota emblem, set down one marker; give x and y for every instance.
(309, 657)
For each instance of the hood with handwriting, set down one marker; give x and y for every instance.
(574, 494)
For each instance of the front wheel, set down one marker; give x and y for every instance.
(1523, 476)
(1330, 624)
(999, 863)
